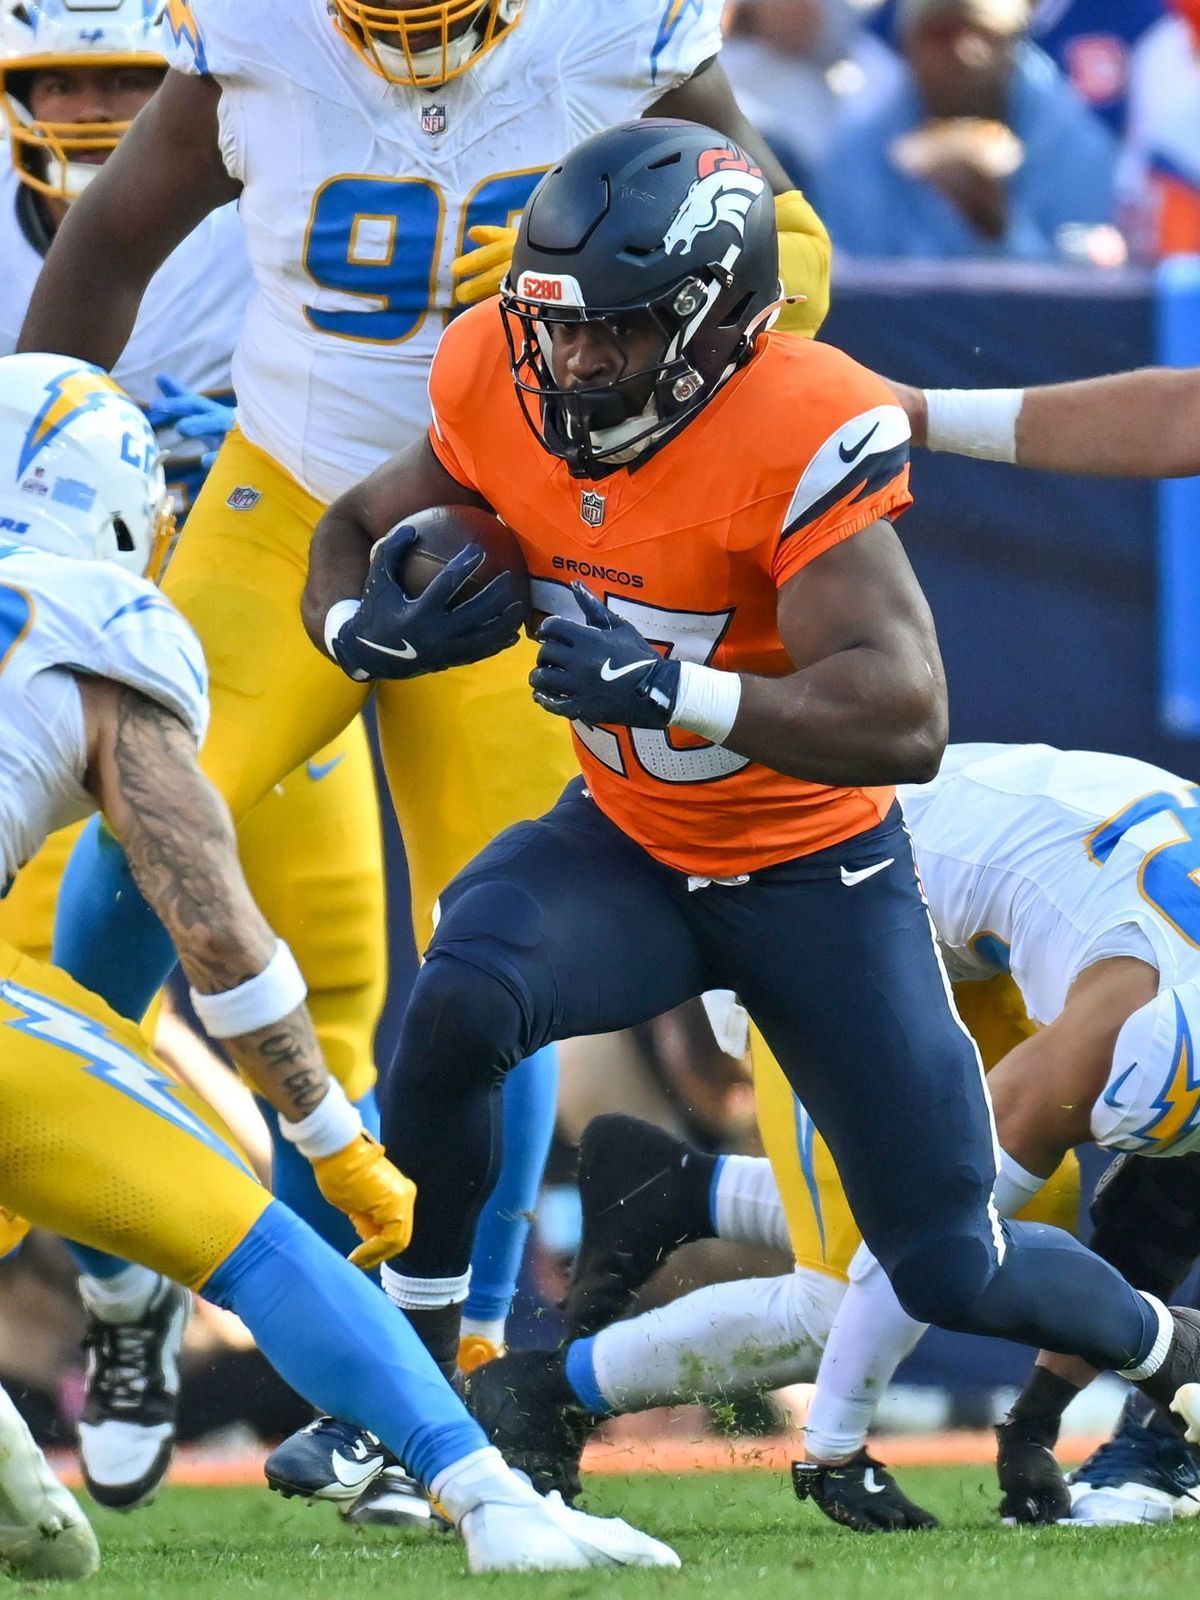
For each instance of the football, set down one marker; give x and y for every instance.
(445, 530)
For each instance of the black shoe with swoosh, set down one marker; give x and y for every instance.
(860, 1494)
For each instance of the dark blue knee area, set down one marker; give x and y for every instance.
(940, 1277)
(463, 1027)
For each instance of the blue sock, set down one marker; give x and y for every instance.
(530, 1106)
(712, 1196)
(580, 1368)
(329, 1332)
(105, 935)
(94, 1262)
(293, 1181)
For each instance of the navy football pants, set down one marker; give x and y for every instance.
(563, 926)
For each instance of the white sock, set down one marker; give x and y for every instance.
(125, 1297)
(728, 1337)
(483, 1475)
(1015, 1186)
(489, 1328)
(423, 1294)
(746, 1207)
(1158, 1353)
(871, 1336)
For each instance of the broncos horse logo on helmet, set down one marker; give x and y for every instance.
(727, 187)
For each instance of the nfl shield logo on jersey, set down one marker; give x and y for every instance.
(433, 119)
(244, 499)
(591, 508)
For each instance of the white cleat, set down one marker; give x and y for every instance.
(1123, 1505)
(43, 1532)
(544, 1535)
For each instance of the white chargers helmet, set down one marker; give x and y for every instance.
(80, 469)
(41, 35)
(1151, 1104)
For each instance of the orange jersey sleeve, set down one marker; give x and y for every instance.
(464, 366)
(857, 471)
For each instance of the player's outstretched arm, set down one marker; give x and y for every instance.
(178, 836)
(340, 553)
(1141, 424)
(161, 180)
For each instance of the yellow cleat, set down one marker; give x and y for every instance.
(476, 1351)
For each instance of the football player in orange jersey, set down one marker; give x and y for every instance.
(750, 666)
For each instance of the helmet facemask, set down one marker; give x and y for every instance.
(598, 428)
(428, 46)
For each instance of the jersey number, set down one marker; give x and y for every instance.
(380, 239)
(1169, 875)
(688, 636)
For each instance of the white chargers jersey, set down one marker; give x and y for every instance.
(1035, 860)
(190, 316)
(86, 617)
(357, 194)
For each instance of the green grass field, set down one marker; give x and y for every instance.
(737, 1533)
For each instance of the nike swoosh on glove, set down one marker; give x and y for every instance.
(375, 1195)
(479, 273)
(395, 635)
(602, 670)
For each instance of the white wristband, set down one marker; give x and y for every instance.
(273, 993)
(328, 1129)
(974, 422)
(335, 619)
(707, 702)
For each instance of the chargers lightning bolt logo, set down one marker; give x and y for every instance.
(673, 14)
(180, 20)
(106, 1058)
(1178, 1101)
(66, 398)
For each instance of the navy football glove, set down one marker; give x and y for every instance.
(603, 671)
(392, 635)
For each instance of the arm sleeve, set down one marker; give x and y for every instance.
(625, 54)
(859, 475)
(185, 39)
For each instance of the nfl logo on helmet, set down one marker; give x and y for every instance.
(433, 119)
(591, 508)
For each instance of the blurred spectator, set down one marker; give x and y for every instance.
(802, 69)
(1159, 173)
(983, 149)
(1092, 43)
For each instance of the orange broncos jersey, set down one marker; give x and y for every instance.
(801, 449)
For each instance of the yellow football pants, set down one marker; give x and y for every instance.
(100, 1144)
(466, 752)
(313, 857)
(822, 1230)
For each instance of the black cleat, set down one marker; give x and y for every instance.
(1031, 1480)
(1182, 1363)
(327, 1460)
(529, 1412)
(860, 1494)
(644, 1193)
(127, 1426)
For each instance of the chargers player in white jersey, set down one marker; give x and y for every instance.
(367, 147)
(73, 74)
(103, 705)
(1069, 871)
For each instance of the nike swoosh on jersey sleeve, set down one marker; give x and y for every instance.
(863, 455)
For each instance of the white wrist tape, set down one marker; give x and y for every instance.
(335, 619)
(974, 422)
(275, 992)
(707, 702)
(328, 1129)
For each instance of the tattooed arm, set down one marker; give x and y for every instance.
(178, 838)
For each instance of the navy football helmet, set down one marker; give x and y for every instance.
(656, 216)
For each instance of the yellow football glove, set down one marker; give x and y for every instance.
(479, 273)
(375, 1195)
(805, 254)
